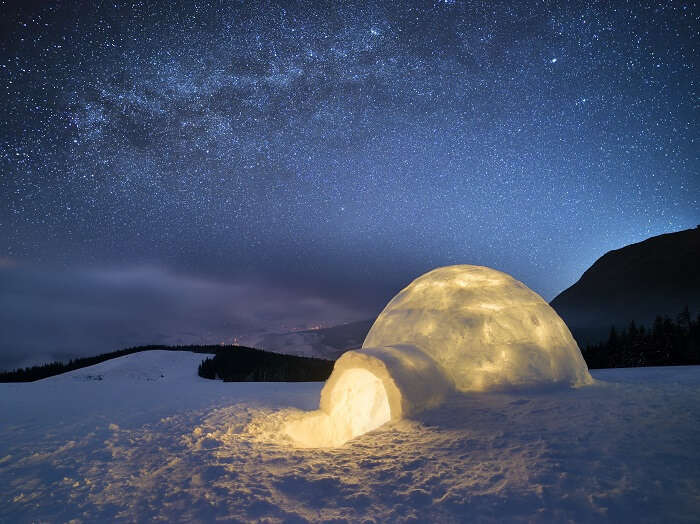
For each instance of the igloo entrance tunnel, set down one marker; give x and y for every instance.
(463, 328)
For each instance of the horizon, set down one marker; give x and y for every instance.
(250, 338)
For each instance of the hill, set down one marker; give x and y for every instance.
(659, 276)
(328, 343)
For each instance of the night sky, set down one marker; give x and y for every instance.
(199, 171)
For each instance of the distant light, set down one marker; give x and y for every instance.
(553, 61)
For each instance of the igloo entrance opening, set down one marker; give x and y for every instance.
(360, 401)
(358, 404)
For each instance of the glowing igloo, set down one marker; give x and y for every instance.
(485, 329)
(468, 328)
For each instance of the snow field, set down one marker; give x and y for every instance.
(138, 446)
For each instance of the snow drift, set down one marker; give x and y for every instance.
(463, 328)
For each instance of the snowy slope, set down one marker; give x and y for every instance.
(139, 367)
(327, 343)
(136, 445)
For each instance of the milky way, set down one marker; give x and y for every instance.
(345, 147)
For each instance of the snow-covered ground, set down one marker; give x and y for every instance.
(142, 437)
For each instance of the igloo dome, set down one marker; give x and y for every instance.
(464, 328)
(484, 328)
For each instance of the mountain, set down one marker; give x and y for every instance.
(659, 276)
(327, 343)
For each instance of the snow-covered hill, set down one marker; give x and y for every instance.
(329, 343)
(138, 367)
(149, 439)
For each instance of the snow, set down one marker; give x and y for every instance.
(137, 367)
(485, 329)
(135, 446)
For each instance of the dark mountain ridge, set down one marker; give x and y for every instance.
(638, 282)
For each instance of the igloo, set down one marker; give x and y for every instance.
(457, 328)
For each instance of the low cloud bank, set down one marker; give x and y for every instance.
(57, 315)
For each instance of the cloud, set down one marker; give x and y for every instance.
(48, 315)
(6, 262)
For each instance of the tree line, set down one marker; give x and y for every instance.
(229, 363)
(243, 364)
(667, 343)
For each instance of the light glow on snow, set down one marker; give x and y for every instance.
(359, 405)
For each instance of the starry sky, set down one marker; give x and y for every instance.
(198, 171)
